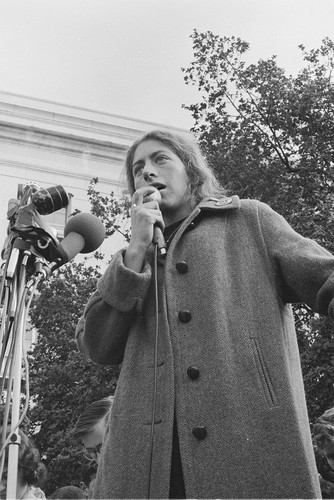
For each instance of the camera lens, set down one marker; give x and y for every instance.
(47, 201)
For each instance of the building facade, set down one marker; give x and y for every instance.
(52, 144)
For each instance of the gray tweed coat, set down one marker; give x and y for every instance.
(228, 363)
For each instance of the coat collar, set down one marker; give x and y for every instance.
(212, 205)
(222, 203)
(207, 205)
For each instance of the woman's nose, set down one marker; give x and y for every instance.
(148, 174)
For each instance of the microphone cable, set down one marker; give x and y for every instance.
(155, 374)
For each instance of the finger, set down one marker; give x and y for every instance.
(155, 196)
(141, 193)
(137, 199)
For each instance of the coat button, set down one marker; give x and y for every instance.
(184, 316)
(182, 267)
(199, 432)
(193, 372)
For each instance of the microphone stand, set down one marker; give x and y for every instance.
(30, 254)
(15, 296)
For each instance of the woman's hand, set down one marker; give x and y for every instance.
(145, 215)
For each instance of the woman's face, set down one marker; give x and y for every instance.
(154, 164)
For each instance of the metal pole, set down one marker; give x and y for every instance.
(13, 446)
(18, 277)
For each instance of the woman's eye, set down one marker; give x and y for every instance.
(137, 170)
(161, 158)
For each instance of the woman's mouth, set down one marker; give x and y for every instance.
(158, 186)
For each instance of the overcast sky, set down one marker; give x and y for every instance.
(125, 56)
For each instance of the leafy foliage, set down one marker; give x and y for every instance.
(270, 136)
(113, 212)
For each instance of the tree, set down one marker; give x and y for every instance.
(114, 212)
(62, 380)
(270, 136)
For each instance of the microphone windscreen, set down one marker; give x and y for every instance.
(89, 227)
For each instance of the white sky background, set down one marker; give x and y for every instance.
(125, 56)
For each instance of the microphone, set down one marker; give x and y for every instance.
(84, 233)
(159, 241)
(158, 237)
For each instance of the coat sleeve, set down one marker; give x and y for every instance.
(103, 329)
(304, 269)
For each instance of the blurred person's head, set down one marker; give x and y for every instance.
(30, 470)
(323, 435)
(68, 492)
(327, 488)
(91, 426)
(88, 477)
